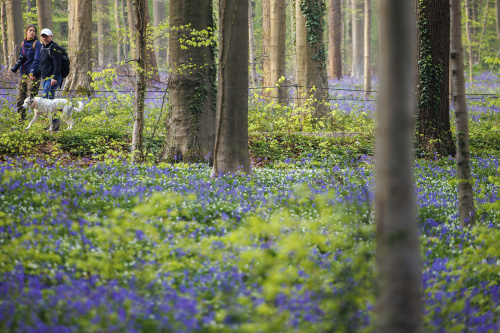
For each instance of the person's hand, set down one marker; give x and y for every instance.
(52, 82)
(32, 77)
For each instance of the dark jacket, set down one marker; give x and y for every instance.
(32, 62)
(50, 60)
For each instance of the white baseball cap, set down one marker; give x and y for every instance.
(46, 32)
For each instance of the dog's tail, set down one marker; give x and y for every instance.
(79, 108)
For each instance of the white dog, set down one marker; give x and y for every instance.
(50, 106)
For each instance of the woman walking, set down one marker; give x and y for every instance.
(29, 59)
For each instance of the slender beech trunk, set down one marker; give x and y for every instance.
(433, 129)
(44, 14)
(15, 31)
(311, 56)
(335, 37)
(468, 30)
(158, 18)
(5, 40)
(126, 44)
(266, 46)
(191, 119)
(357, 38)
(399, 302)
(103, 32)
(483, 30)
(119, 50)
(497, 12)
(347, 35)
(251, 41)
(137, 151)
(368, 46)
(79, 46)
(131, 27)
(278, 47)
(465, 194)
(231, 152)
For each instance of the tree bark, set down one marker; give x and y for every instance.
(159, 18)
(44, 14)
(140, 11)
(468, 31)
(103, 32)
(277, 59)
(399, 301)
(5, 40)
(251, 41)
(497, 11)
(15, 31)
(266, 46)
(126, 45)
(119, 47)
(231, 136)
(357, 38)
(152, 66)
(311, 56)
(433, 132)
(465, 194)
(367, 47)
(80, 46)
(335, 37)
(191, 119)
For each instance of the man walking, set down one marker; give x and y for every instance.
(50, 68)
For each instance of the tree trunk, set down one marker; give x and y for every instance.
(80, 46)
(497, 11)
(335, 34)
(231, 136)
(433, 133)
(159, 18)
(311, 55)
(103, 32)
(131, 28)
(251, 41)
(483, 30)
(44, 14)
(191, 119)
(367, 47)
(5, 40)
(347, 35)
(126, 45)
(277, 59)
(266, 46)
(152, 66)
(468, 31)
(140, 12)
(119, 50)
(15, 31)
(357, 38)
(399, 301)
(465, 194)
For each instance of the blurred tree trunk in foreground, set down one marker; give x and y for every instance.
(311, 55)
(79, 46)
(399, 302)
(231, 152)
(44, 14)
(335, 39)
(433, 131)
(191, 119)
(465, 194)
(15, 29)
(277, 59)
(137, 150)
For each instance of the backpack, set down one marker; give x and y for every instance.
(64, 62)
